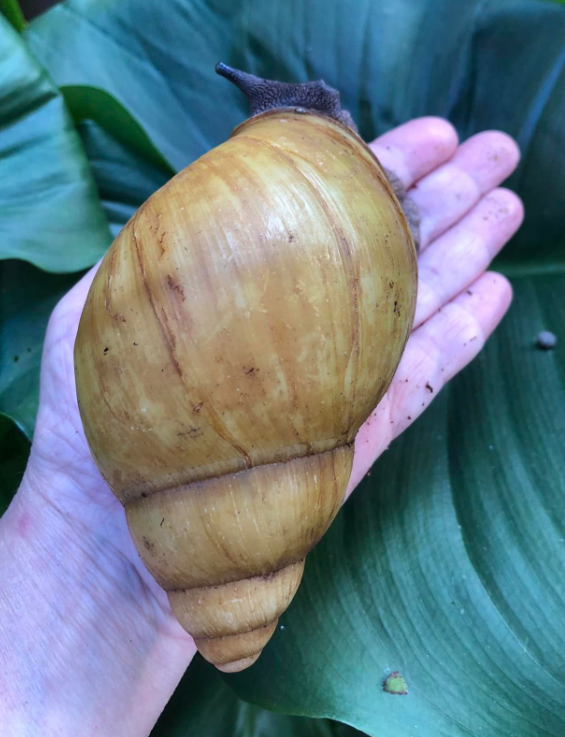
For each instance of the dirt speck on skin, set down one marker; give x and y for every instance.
(429, 387)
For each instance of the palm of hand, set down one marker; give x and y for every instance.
(465, 222)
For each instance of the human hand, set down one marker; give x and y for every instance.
(114, 653)
(465, 220)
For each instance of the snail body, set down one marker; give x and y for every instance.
(241, 328)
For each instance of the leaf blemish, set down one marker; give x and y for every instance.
(395, 684)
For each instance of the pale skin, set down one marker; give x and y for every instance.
(88, 644)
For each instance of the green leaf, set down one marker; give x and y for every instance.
(27, 297)
(160, 66)
(124, 180)
(12, 12)
(215, 711)
(125, 164)
(446, 566)
(92, 103)
(14, 452)
(50, 213)
(529, 90)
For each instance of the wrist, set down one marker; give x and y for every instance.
(84, 642)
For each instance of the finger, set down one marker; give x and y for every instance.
(436, 351)
(416, 148)
(479, 165)
(464, 252)
(445, 344)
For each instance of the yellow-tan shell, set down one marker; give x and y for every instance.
(241, 328)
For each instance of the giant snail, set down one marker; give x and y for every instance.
(242, 326)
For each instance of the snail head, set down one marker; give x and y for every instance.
(267, 94)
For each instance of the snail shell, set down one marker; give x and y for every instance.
(240, 329)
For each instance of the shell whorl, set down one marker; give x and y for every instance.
(230, 551)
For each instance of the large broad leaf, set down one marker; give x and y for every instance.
(126, 165)
(391, 60)
(447, 565)
(125, 180)
(27, 297)
(50, 214)
(95, 104)
(215, 711)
